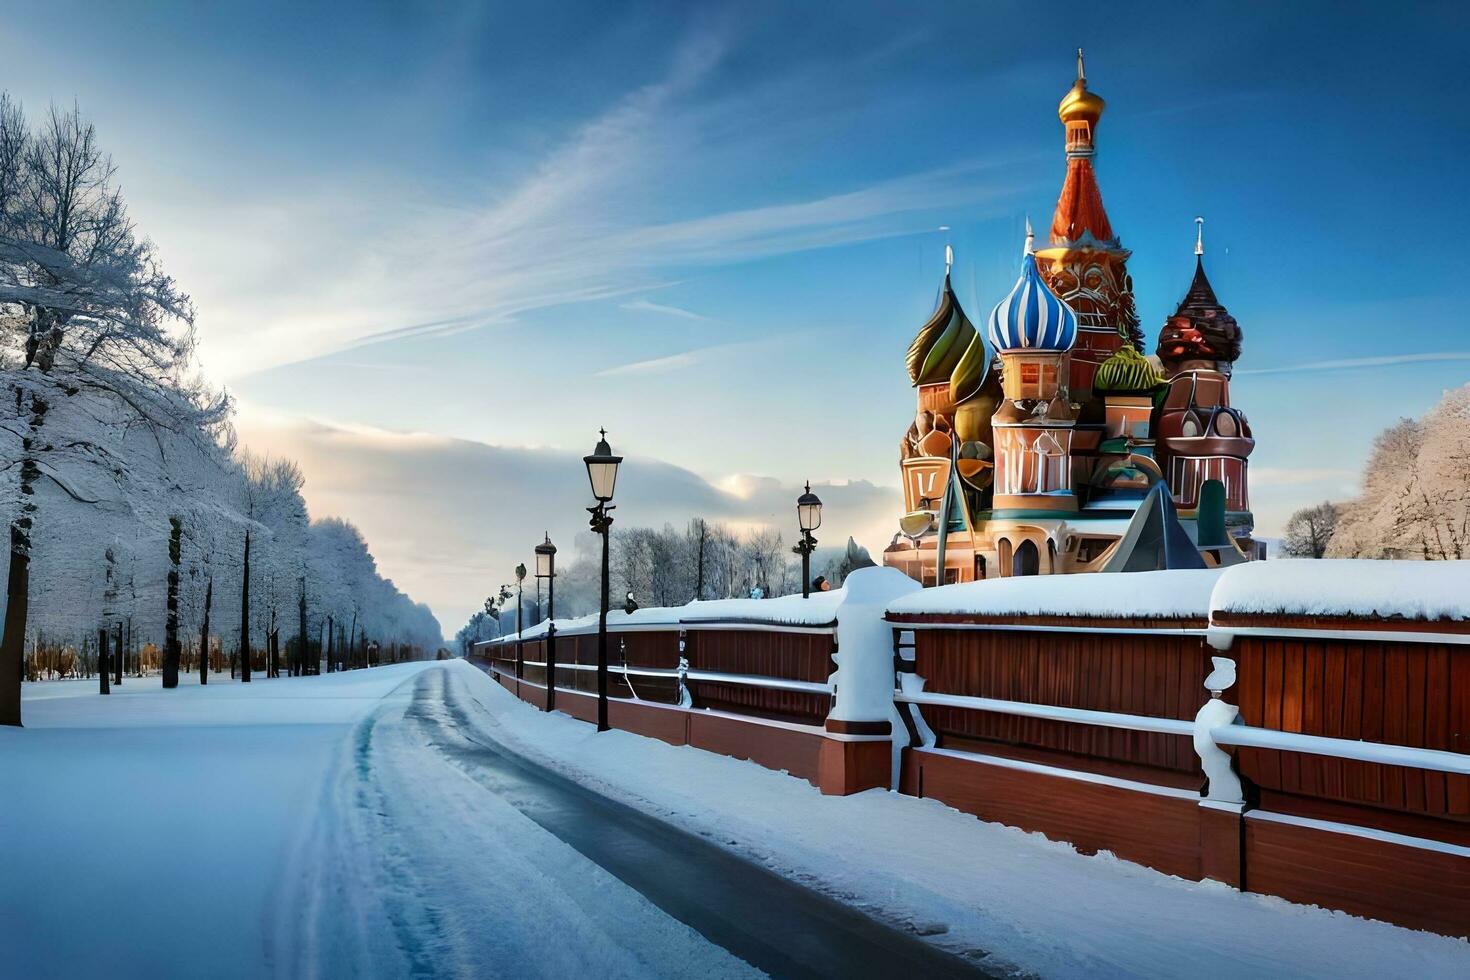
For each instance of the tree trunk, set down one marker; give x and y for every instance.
(245, 616)
(18, 591)
(102, 687)
(120, 661)
(331, 647)
(12, 646)
(301, 657)
(204, 632)
(699, 563)
(172, 649)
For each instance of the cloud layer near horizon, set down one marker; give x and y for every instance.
(447, 519)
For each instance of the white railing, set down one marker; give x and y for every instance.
(1213, 728)
(1343, 748)
(1050, 712)
(713, 677)
(683, 625)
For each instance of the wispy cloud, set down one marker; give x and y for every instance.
(1350, 363)
(317, 269)
(654, 365)
(688, 358)
(648, 306)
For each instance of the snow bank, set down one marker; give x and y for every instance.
(1170, 594)
(1347, 587)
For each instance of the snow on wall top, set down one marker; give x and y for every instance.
(1346, 587)
(616, 619)
(787, 610)
(1171, 594)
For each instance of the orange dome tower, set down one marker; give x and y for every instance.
(1085, 264)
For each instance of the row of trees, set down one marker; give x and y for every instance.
(665, 567)
(1415, 501)
(127, 499)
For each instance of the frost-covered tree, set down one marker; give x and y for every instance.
(663, 567)
(128, 503)
(97, 339)
(1309, 530)
(1416, 490)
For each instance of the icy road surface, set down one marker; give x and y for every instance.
(362, 825)
(419, 821)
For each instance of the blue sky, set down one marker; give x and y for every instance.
(714, 228)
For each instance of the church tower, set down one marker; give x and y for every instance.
(1033, 331)
(1200, 435)
(1085, 264)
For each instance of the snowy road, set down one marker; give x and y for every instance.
(396, 794)
(419, 821)
(363, 825)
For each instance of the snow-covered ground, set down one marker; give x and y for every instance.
(323, 826)
(294, 827)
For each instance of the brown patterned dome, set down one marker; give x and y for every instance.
(1201, 329)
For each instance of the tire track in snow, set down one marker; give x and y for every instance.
(422, 872)
(760, 915)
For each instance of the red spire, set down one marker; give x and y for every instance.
(1080, 208)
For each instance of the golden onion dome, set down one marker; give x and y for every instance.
(1078, 103)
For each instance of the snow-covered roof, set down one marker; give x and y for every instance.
(1346, 587)
(1170, 594)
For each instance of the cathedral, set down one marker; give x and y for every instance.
(1050, 443)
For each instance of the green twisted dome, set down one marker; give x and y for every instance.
(1126, 372)
(941, 341)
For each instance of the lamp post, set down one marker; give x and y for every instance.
(520, 577)
(808, 518)
(546, 568)
(602, 473)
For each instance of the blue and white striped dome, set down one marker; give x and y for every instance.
(1032, 317)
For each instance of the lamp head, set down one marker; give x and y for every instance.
(809, 510)
(602, 469)
(546, 558)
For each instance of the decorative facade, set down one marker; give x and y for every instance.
(1050, 443)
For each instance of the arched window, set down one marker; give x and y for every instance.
(1003, 554)
(1027, 560)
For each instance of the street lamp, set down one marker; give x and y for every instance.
(520, 577)
(602, 473)
(546, 568)
(808, 518)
